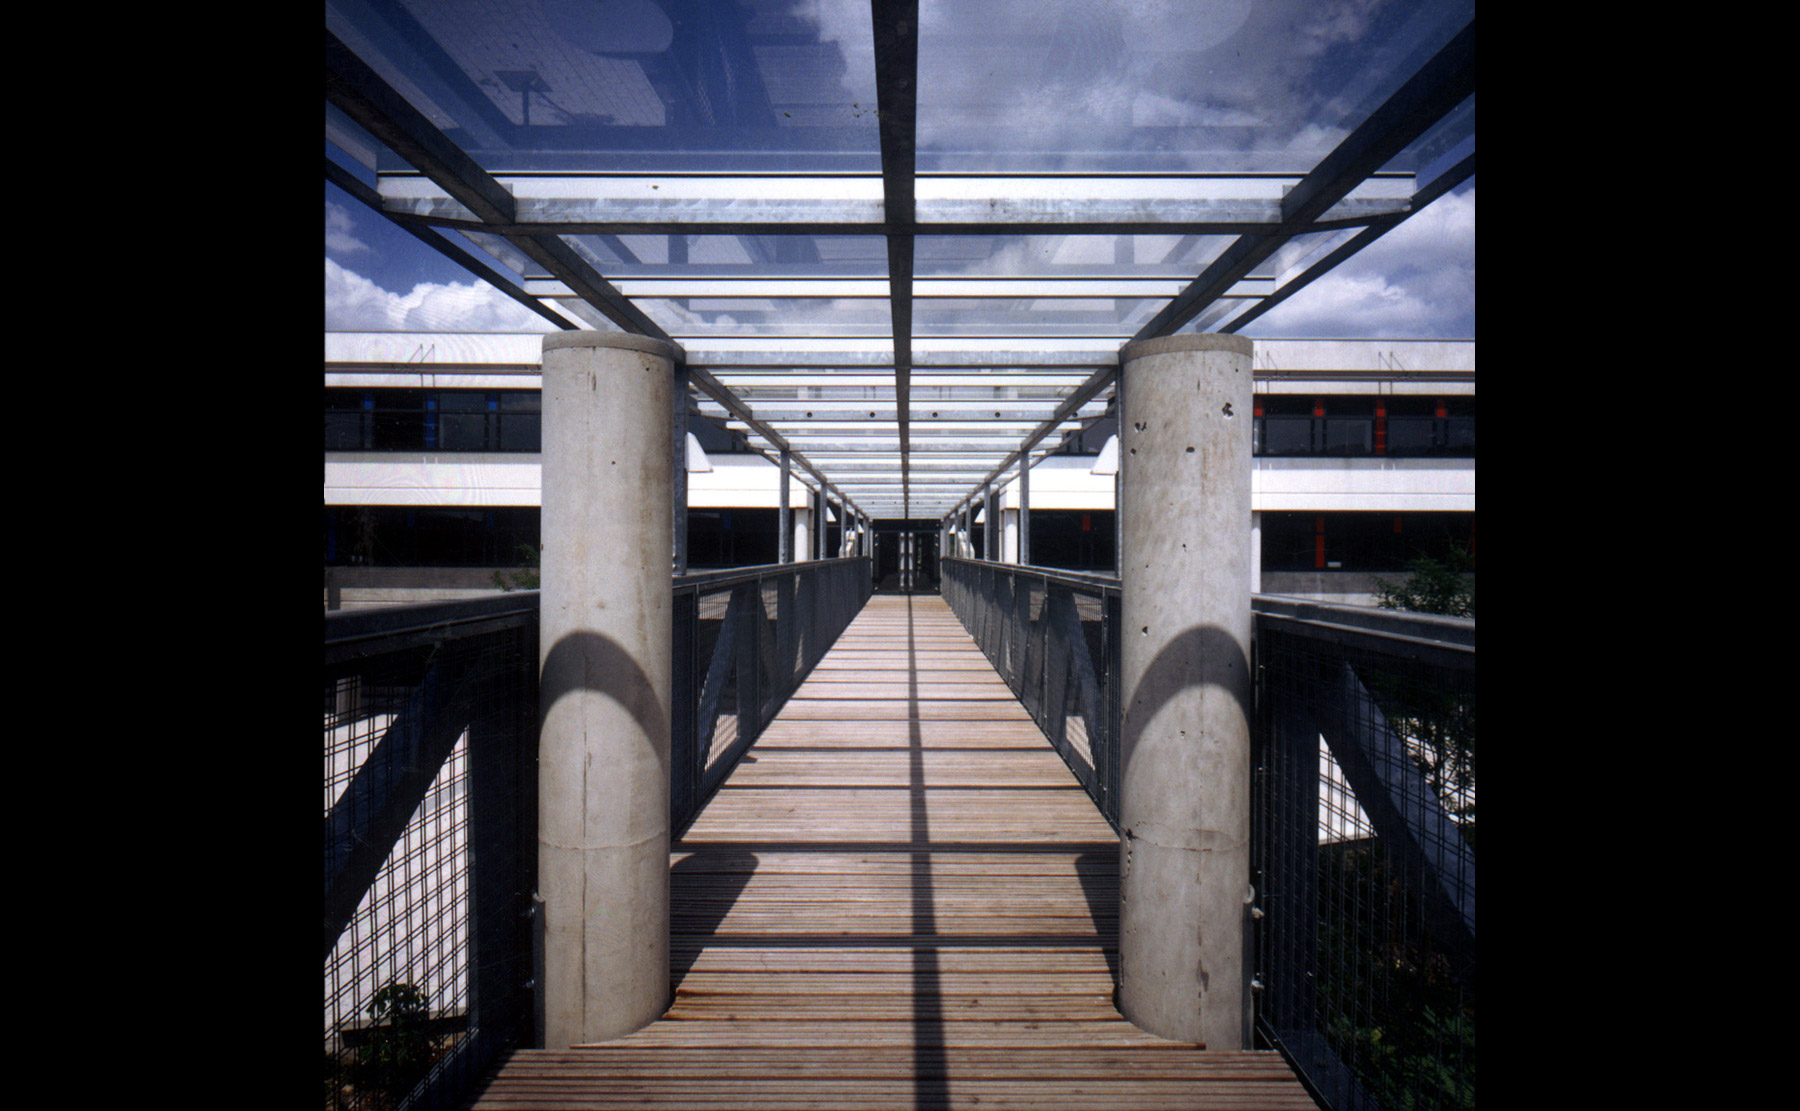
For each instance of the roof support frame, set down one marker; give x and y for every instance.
(1445, 182)
(476, 200)
(368, 100)
(1430, 94)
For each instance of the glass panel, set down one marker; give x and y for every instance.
(1137, 256)
(1287, 436)
(1069, 316)
(1302, 251)
(463, 421)
(699, 256)
(399, 420)
(768, 316)
(1234, 86)
(344, 431)
(1349, 436)
(1411, 435)
(680, 84)
(1430, 154)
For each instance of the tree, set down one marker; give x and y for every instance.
(400, 1048)
(526, 577)
(1437, 724)
(1431, 586)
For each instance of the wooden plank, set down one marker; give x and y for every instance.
(901, 898)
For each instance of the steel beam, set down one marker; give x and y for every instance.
(896, 27)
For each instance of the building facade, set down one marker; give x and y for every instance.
(1364, 458)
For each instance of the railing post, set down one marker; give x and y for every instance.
(605, 687)
(1185, 590)
(499, 841)
(990, 532)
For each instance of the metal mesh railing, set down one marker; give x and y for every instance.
(430, 736)
(1363, 822)
(427, 833)
(1052, 635)
(1365, 778)
(748, 637)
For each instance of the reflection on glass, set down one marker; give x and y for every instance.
(697, 256)
(770, 316)
(1302, 251)
(1140, 256)
(1285, 436)
(661, 84)
(1033, 315)
(1408, 435)
(1170, 86)
(1349, 436)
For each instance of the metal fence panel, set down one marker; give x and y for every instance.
(1365, 782)
(430, 834)
(426, 973)
(1363, 820)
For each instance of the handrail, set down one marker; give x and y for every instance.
(1101, 580)
(732, 576)
(346, 629)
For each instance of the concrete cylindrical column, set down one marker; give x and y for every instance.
(1184, 866)
(604, 695)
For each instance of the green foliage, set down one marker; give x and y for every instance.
(399, 1049)
(1393, 1011)
(1437, 724)
(526, 577)
(1431, 586)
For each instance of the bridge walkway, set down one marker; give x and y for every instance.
(901, 898)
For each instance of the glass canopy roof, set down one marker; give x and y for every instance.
(903, 240)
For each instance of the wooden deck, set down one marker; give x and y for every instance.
(900, 899)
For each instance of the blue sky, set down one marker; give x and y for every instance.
(380, 279)
(1415, 282)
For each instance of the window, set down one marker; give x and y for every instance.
(1363, 424)
(1378, 542)
(433, 420)
(428, 536)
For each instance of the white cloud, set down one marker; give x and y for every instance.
(353, 303)
(340, 235)
(1417, 281)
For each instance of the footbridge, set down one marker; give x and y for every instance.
(761, 836)
(894, 873)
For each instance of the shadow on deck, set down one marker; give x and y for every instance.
(900, 898)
